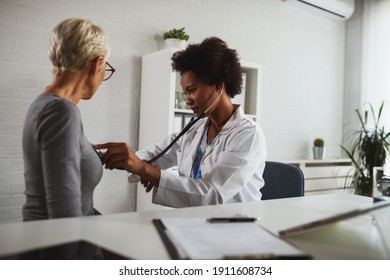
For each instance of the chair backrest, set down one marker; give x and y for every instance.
(282, 180)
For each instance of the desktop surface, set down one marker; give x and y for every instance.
(133, 235)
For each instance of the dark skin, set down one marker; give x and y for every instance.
(199, 93)
(199, 96)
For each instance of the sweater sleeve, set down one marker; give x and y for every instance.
(59, 132)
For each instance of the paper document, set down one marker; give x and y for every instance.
(195, 238)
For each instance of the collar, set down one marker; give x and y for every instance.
(235, 119)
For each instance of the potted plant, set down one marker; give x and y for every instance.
(176, 38)
(318, 148)
(368, 149)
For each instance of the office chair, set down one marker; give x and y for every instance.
(282, 180)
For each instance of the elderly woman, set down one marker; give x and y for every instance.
(61, 167)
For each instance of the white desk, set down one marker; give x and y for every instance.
(133, 235)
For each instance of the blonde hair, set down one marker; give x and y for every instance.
(74, 42)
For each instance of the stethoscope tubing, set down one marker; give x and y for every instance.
(185, 129)
(188, 126)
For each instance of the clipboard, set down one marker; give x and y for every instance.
(196, 238)
(333, 219)
(174, 254)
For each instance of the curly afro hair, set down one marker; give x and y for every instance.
(212, 62)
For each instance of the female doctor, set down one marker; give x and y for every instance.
(221, 158)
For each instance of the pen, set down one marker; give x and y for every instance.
(232, 220)
(269, 256)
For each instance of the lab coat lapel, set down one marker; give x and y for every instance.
(232, 122)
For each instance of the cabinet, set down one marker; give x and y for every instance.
(324, 176)
(159, 115)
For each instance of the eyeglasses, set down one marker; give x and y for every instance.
(109, 71)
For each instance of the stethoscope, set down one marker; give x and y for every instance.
(193, 121)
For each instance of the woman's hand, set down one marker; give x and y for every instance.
(120, 156)
(147, 185)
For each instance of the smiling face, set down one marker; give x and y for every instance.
(198, 94)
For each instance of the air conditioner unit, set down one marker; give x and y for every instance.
(334, 9)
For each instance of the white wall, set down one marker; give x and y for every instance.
(368, 65)
(303, 75)
(376, 56)
(368, 61)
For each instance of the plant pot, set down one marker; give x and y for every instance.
(318, 152)
(175, 43)
(363, 186)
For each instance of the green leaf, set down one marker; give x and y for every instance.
(368, 148)
(176, 34)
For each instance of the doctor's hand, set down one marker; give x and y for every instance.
(121, 156)
(147, 185)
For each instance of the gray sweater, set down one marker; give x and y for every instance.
(61, 168)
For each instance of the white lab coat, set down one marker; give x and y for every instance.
(232, 167)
